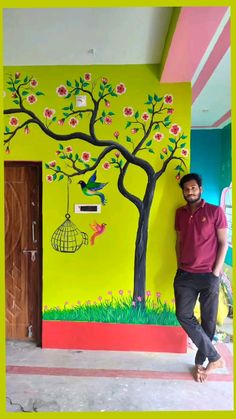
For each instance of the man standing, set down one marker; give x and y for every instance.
(201, 247)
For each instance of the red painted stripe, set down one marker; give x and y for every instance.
(111, 373)
(107, 373)
(212, 62)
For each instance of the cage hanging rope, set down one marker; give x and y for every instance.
(68, 238)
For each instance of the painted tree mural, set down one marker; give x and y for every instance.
(147, 132)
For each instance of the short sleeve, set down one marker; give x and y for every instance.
(220, 221)
(177, 220)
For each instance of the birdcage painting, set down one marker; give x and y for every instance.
(68, 238)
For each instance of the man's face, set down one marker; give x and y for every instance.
(192, 192)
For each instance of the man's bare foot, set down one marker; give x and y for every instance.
(199, 373)
(220, 363)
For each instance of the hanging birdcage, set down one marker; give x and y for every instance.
(68, 238)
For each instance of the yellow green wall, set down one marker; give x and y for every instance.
(108, 265)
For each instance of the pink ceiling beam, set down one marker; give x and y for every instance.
(212, 62)
(195, 29)
(224, 118)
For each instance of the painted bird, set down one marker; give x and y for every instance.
(98, 229)
(91, 187)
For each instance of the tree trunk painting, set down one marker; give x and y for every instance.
(147, 131)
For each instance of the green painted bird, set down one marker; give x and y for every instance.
(91, 187)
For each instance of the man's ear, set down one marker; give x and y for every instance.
(201, 189)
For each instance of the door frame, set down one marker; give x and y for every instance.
(38, 166)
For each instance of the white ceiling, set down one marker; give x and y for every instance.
(82, 36)
(85, 36)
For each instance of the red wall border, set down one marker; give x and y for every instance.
(113, 336)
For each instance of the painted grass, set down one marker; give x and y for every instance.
(121, 310)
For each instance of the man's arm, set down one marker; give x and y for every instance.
(222, 250)
(177, 247)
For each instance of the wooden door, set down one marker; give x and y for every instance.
(23, 261)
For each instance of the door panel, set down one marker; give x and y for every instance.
(23, 250)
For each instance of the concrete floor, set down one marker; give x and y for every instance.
(50, 380)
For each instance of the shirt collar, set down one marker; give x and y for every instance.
(187, 206)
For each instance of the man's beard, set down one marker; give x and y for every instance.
(193, 200)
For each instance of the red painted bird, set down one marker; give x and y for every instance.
(98, 230)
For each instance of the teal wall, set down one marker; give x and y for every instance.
(211, 158)
(226, 157)
(206, 149)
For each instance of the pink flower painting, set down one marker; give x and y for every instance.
(85, 156)
(158, 136)
(128, 111)
(26, 130)
(168, 99)
(49, 178)
(73, 122)
(14, 121)
(33, 83)
(116, 134)
(62, 90)
(105, 80)
(108, 120)
(145, 116)
(48, 113)
(184, 152)
(87, 76)
(106, 165)
(120, 89)
(31, 99)
(175, 129)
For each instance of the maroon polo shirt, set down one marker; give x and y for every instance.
(198, 233)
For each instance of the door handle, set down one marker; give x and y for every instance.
(32, 252)
(33, 232)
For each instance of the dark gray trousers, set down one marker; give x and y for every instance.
(188, 286)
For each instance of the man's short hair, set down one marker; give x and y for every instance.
(188, 177)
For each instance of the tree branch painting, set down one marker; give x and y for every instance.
(146, 132)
